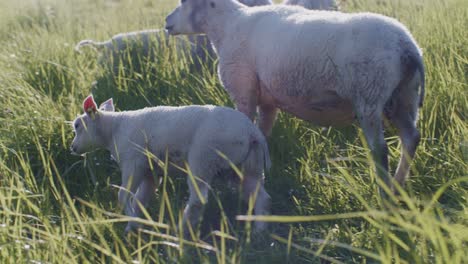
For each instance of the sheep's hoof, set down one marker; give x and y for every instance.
(261, 238)
(131, 229)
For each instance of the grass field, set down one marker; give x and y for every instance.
(59, 208)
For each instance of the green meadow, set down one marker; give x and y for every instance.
(60, 208)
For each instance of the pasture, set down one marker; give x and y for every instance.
(60, 208)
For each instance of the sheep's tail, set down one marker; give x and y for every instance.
(89, 42)
(257, 156)
(418, 59)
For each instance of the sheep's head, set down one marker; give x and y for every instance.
(189, 17)
(87, 138)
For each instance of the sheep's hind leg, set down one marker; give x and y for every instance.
(252, 187)
(372, 128)
(410, 137)
(404, 116)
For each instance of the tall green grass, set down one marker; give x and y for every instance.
(58, 208)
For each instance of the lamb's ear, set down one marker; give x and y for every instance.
(89, 106)
(107, 106)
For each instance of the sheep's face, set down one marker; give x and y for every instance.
(85, 135)
(189, 17)
(88, 136)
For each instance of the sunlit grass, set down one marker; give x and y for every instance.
(59, 208)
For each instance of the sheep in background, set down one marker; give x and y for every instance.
(197, 48)
(192, 134)
(146, 44)
(314, 4)
(326, 67)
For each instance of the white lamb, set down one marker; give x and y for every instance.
(192, 134)
(197, 48)
(314, 4)
(147, 44)
(326, 67)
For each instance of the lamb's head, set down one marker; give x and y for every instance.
(88, 126)
(191, 16)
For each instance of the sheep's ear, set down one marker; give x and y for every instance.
(107, 106)
(89, 106)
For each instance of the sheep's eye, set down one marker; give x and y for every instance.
(77, 125)
(212, 4)
(183, 1)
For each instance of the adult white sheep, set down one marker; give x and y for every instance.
(325, 67)
(192, 134)
(314, 4)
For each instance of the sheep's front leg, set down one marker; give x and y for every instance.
(195, 205)
(141, 199)
(242, 86)
(202, 162)
(132, 176)
(267, 111)
(267, 118)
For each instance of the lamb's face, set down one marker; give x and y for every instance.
(189, 17)
(86, 139)
(85, 126)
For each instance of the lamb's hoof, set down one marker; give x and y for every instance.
(396, 190)
(187, 235)
(128, 231)
(260, 238)
(131, 229)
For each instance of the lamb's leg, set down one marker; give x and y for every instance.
(142, 197)
(267, 118)
(202, 163)
(404, 117)
(372, 128)
(252, 186)
(410, 137)
(195, 205)
(132, 176)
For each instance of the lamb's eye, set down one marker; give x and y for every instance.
(183, 1)
(77, 125)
